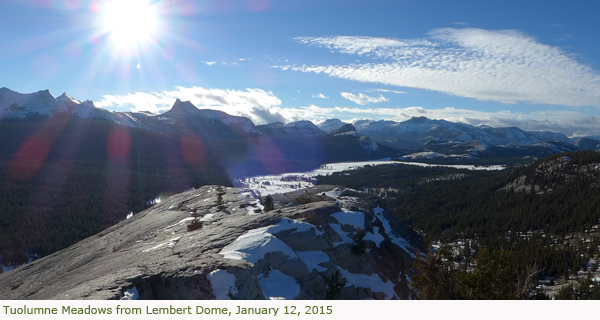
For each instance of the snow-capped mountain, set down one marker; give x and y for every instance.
(17, 105)
(416, 132)
(415, 135)
(330, 125)
(184, 112)
(14, 105)
(201, 135)
(345, 129)
(304, 127)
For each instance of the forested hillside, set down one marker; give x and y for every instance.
(62, 182)
(448, 205)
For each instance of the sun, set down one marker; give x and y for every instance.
(129, 23)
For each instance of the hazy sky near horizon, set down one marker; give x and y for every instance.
(531, 64)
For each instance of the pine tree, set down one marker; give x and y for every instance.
(196, 223)
(435, 278)
(269, 203)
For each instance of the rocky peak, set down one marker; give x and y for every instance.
(345, 129)
(215, 242)
(330, 125)
(182, 108)
(67, 98)
(419, 120)
(303, 127)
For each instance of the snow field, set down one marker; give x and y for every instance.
(289, 182)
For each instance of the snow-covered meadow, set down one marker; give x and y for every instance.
(288, 182)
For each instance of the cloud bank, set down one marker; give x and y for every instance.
(259, 105)
(504, 66)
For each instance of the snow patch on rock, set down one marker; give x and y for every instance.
(223, 284)
(278, 286)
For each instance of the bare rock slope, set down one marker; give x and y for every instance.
(318, 243)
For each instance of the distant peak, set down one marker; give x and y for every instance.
(178, 102)
(183, 107)
(419, 119)
(66, 98)
(45, 94)
(302, 124)
(346, 128)
(330, 125)
(6, 90)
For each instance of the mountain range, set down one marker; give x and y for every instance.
(70, 169)
(416, 138)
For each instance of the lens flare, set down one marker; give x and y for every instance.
(119, 144)
(193, 151)
(130, 23)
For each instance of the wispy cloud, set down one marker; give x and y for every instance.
(363, 99)
(235, 62)
(505, 66)
(320, 96)
(259, 105)
(387, 90)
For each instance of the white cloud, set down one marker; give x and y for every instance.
(140, 101)
(320, 96)
(363, 99)
(505, 66)
(387, 90)
(235, 62)
(258, 105)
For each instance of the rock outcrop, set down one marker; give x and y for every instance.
(558, 172)
(218, 243)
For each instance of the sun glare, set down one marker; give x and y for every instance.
(130, 22)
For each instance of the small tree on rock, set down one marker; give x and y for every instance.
(269, 203)
(196, 223)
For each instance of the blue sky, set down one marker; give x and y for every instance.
(532, 64)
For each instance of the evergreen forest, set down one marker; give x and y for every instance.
(539, 230)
